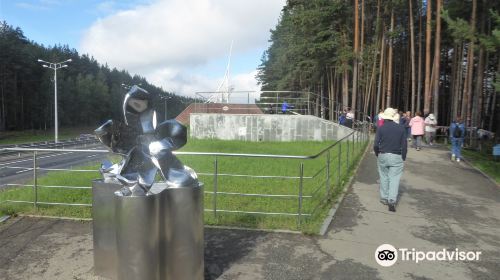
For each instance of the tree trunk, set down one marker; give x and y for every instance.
(412, 57)
(407, 80)
(356, 54)
(419, 70)
(370, 84)
(362, 67)
(478, 92)
(322, 97)
(389, 66)
(494, 101)
(331, 94)
(345, 87)
(362, 26)
(470, 66)
(455, 67)
(458, 82)
(380, 89)
(428, 28)
(437, 58)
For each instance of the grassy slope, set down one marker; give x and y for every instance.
(484, 162)
(204, 165)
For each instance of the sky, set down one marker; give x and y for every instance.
(179, 45)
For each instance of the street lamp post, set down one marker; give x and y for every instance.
(55, 66)
(165, 98)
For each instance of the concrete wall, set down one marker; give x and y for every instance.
(264, 127)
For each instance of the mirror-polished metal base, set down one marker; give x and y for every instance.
(159, 236)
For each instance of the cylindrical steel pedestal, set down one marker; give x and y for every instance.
(152, 237)
(181, 233)
(137, 235)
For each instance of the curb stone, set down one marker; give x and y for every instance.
(331, 214)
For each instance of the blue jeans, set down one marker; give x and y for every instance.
(456, 146)
(418, 141)
(390, 169)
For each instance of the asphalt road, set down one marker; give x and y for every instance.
(17, 169)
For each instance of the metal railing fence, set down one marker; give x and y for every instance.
(308, 189)
(270, 102)
(475, 138)
(80, 141)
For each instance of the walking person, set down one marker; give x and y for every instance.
(405, 122)
(284, 107)
(407, 127)
(342, 117)
(430, 129)
(349, 118)
(457, 135)
(398, 116)
(417, 130)
(390, 147)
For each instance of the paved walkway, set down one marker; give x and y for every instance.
(442, 205)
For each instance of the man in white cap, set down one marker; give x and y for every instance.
(390, 147)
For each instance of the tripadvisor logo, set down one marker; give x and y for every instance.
(387, 255)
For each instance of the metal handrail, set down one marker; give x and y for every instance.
(306, 100)
(53, 150)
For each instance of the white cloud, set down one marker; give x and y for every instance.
(170, 41)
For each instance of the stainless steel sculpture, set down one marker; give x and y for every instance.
(154, 229)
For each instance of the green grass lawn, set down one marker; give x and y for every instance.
(484, 162)
(314, 184)
(28, 136)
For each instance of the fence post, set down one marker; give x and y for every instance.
(353, 146)
(357, 140)
(348, 150)
(328, 174)
(308, 105)
(301, 185)
(367, 133)
(277, 103)
(339, 166)
(35, 187)
(214, 205)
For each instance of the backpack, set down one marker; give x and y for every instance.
(457, 133)
(342, 119)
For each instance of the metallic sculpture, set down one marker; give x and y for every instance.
(144, 229)
(145, 146)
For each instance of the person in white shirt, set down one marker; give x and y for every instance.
(430, 129)
(349, 118)
(398, 116)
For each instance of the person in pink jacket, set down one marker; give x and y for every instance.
(417, 125)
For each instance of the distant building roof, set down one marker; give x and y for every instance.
(220, 108)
